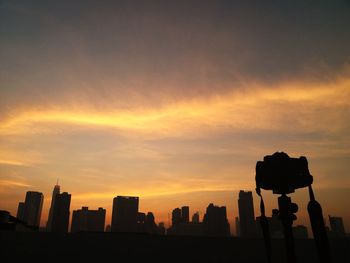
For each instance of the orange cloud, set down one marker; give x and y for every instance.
(258, 107)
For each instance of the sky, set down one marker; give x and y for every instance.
(172, 101)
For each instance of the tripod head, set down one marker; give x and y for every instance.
(282, 174)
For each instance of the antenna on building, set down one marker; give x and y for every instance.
(57, 182)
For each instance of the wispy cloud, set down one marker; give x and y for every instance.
(9, 183)
(310, 106)
(12, 162)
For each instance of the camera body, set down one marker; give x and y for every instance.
(282, 174)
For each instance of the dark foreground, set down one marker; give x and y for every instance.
(113, 247)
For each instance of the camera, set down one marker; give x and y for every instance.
(282, 174)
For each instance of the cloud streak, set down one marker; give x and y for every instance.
(9, 183)
(311, 106)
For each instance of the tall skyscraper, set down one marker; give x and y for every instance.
(215, 221)
(56, 191)
(176, 217)
(185, 214)
(60, 214)
(33, 205)
(246, 214)
(125, 214)
(88, 220)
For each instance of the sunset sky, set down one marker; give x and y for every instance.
(172, 101)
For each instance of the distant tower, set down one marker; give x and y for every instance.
(215, 221)
(32, 208)
(185, 214)
(176, 217)
(150, 224)
(125, 214)
(56, 191)
(88, 220)
(60, 214)
(195, 218)
(246, 214)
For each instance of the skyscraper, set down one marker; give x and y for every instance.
(215, 221)
(60, 214)
(195, 218)
(176, 217)
(246, 214)
(150, 224)
(181, 224)
(32, 208)
(56, 191)
(125, 214)
(88, 220)
(185, 214)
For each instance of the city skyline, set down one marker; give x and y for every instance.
(250, 223)
(173, 102)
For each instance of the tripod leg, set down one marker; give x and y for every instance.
(284, 203)
(318, 228)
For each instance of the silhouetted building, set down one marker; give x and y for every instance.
(5, 221)
(215, 221)
(32, 208)
(11, 223)
(125, 214)
(88, 220)
(181, 224)
(20, 211)
(185, 214)
(150, 224)
(300, 232)
(56, 191)
(146, 223)
(195, 217)
(246, 214)
(337, 226)
(176, 216)
(60, 214)
(181, 216)
(141, 220)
